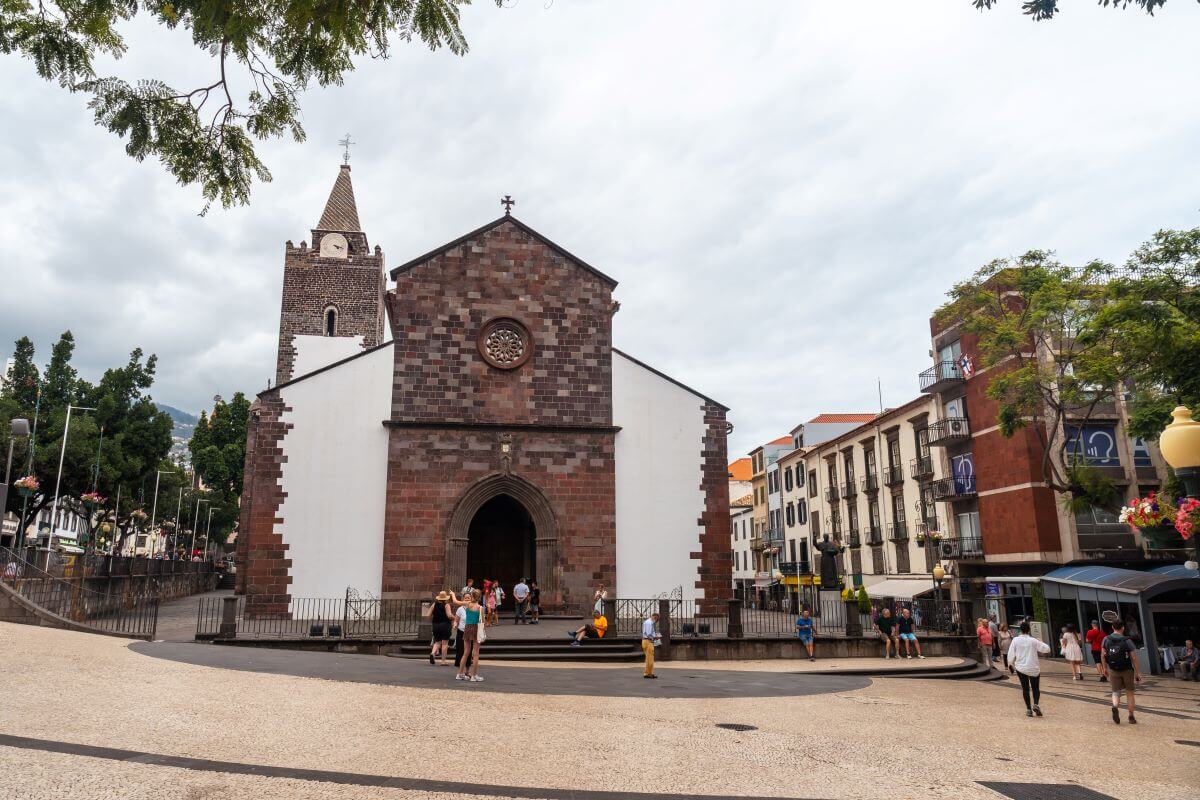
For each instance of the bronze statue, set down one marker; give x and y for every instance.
(829, 563)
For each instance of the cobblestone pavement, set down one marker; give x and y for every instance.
(86, 716)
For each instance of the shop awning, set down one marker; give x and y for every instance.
(901, 587)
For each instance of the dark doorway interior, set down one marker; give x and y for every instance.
(500, 544)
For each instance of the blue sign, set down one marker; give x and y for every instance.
(1141, 453)
(963, 468)
(1096, 443)
(991, 589)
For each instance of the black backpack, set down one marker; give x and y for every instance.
(1116, 654)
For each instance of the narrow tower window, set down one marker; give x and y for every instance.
(331, 322)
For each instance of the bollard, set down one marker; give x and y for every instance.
(610, 613)
(735, 619)
(854, 626)
(664, 629)
(228, 628)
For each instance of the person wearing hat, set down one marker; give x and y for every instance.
(440, 617)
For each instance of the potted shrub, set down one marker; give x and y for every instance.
(864, 601)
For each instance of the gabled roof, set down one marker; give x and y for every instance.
(495, 224)
(829, 418)
(341, 212)
(740, 470)
(668, 378)
(781, 440)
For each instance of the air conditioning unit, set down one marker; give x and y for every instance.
(958, 426)
(948, 548)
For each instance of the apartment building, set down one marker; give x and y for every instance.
(741, 516)
(1011, 526)
(740, 479)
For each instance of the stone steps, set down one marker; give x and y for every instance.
(618, 650)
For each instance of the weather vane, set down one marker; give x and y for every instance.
(347, 144)
(508, 203)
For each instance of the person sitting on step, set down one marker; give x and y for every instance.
(592, 630)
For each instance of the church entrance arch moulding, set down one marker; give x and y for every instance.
(547, 567)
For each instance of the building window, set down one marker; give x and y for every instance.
(330, 322)
(848, 459)
(799, 476)
(791, 515)
(873, 513)
(812, 483)
(787, 480)
(894, 453)
(833, 473)
(801, 512)
(852, 517)
(923, 442)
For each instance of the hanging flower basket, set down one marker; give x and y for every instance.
(27, 486)
(1162, 537)
(92, 500)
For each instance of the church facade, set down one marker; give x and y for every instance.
(496, 432)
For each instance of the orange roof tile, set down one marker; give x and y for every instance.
(740, 470)
(843, 418)
(781, 440)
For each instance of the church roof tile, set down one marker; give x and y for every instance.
(341, 212)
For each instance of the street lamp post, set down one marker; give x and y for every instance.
(195, 525)
(1180, 445)
(58, 481)
(939, 575)
(19, 429)
(207, 530)
(175, 536)
(154, 510)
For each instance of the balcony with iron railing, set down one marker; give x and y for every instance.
(870, 483)
(950, 489)
(940, 377)
(874, 535)
(773, 536)
(898, 531)
(756, 542)
(852, 538)
(795, 568)
(832, 495)
(893, 475)
(849, 488)
(921, 467)
(963, 547)
(951, 430)
(835, 527)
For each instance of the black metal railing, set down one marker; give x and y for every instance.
(898, 531)
(939, 376)
(309, 618)
(921, 467)
(870, 483)
(970, 547)
(852, 538)
(953, 488)
(795, 568)
(850, 488)
(949, 431)
(874, 535)
(893, 475)
(832, 494)
(121, 612)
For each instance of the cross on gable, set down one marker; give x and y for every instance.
(508, 203)
(346, 144)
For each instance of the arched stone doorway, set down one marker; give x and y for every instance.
(501, 544)
(511, 513)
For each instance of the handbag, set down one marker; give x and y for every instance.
(482, 629)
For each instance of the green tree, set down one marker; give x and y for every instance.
(1046, 9)
(120, 444)
(205, 135)
(218, 450)
(1051, 361)
(22, 382)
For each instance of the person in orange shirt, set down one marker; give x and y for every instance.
(985, 640)
(593, 630)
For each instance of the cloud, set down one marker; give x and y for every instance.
(785, 193)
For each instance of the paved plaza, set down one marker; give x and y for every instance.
(88, 716)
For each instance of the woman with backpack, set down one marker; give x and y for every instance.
(440, 618)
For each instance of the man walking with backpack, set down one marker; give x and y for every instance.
(1118, 654)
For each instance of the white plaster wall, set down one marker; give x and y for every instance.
(335, 476)
(658, 472)
(314, 352)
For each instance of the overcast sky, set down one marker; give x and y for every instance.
(785, 193)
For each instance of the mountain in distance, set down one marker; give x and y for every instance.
(181, 434)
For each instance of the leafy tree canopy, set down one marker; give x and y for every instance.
(1046, 9)
(218, 448)
(273, 48)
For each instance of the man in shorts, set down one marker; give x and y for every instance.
(1118, 654)
(906, 624)
(885, 624)
(594, 630)
(804, 632)
(1094, 638)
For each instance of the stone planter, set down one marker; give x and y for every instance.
(1162, 537)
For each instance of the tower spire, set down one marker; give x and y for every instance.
(341, 212)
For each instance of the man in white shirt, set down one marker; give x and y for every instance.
(1023, 657)
(521, 602)
(650, 640)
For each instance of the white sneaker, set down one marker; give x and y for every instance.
(461, 678)
(909, 657)
(920, 656)
(476, 679)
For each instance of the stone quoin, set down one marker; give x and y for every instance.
(497, 433)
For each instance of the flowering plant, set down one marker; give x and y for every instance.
(1186, 517)
(29, 482)
(93, 497)
(1159, 510)
(137, 515)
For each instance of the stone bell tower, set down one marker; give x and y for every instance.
(332, 291)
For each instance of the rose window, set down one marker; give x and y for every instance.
(505, 343)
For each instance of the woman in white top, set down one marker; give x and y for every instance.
(1023, 657)
(1072, 652)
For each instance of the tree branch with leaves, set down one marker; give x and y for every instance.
(205, 135)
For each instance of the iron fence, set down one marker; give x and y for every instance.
(310, 618)
(123, 612)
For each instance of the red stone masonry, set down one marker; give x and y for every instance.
(263, 565)
(716, 559)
